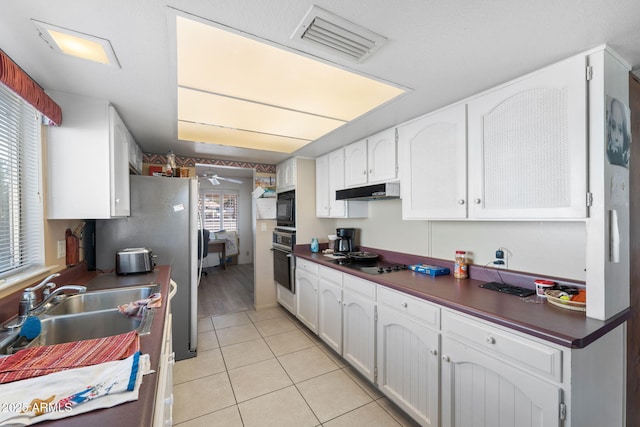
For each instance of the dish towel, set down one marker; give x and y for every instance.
(136, 308)
(42, 360)
(72, 392)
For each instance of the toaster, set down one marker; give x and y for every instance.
(134, 260)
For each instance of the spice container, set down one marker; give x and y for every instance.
(542, 286)
(460, 266)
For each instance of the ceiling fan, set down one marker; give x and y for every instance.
(215, 179)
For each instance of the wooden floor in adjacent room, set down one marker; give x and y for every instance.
(225, 291)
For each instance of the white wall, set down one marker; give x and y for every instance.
(543, 247)
(245, 219)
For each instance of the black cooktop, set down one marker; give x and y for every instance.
(369, 266)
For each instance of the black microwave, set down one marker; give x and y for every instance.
(286, 209)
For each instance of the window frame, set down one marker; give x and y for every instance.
(24, 257)
(220, 220)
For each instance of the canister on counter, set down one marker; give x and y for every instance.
(460, 266)
(314, 244)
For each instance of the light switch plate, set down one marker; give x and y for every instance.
(62, 249)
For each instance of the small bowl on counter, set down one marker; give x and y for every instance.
(561, 299)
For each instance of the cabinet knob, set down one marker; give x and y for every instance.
(117, 200)
(433, 351)
(491, 340)
(476, 201)
(446, 359)
(404, 305)
(370, 171)
(364, 172)
(461, 202)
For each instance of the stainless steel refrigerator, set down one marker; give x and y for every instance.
(164, 218)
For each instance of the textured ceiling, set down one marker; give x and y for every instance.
(443, 51)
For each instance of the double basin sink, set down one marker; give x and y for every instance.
(89, 315)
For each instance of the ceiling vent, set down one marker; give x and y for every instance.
(336, 35)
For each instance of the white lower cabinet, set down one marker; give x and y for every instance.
(480, 389)
(450, 369)
(307, 299)
(330, 308)
(163, 410)
(408, 365)
(359, 327)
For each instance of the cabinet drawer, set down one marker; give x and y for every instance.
(331, 275)
(308, 266)
(417, 308)
(534, 356)
(360, 286)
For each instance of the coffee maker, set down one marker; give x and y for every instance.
(346, 239)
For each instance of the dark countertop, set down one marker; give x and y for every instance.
(139, 412)
(564, 327)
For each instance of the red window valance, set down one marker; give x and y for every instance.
(20, 82)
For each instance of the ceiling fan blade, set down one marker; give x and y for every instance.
(235, 181)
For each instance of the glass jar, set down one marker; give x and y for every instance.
(460, 266)
(315, 247)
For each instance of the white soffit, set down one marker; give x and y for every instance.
(237, 83)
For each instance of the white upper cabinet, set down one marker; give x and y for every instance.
(355, 164)
(322, 186)
(371, 160)
(382, 156)
(135, 156)
(433, 165)
(528, 146)
(286, 175)
(330, 173)
(87, 161)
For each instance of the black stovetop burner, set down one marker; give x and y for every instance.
(370, 267)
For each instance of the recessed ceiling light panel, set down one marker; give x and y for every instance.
(72, 43)
(235, 89)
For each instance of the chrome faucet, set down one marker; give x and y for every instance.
(29, 297)
(78, 288)
(28, 300)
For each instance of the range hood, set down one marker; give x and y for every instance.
(388, 190)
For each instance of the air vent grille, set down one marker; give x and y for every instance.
(336, 35)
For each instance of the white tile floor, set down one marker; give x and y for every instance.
(265, 369)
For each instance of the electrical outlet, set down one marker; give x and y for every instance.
(263, 227)
(62, 249)
(501, 258)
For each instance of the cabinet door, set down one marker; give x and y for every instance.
(286, 175)
(330, 314)
(382, 156)
(322, 186)
(307, 299)
(119, 153)
(355, 164)
(359, 333)
(336, 182)
(433, 165)
(408, 365)
(479, 389)
(528, 146)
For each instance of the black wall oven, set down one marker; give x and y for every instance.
(284, 263)
(286, 209)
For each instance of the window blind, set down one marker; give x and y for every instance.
(219, 210)
(21, 219)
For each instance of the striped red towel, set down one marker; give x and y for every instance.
(36, 361)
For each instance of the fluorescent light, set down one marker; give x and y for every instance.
(213, 181)
(73, 43)
(239, 91)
